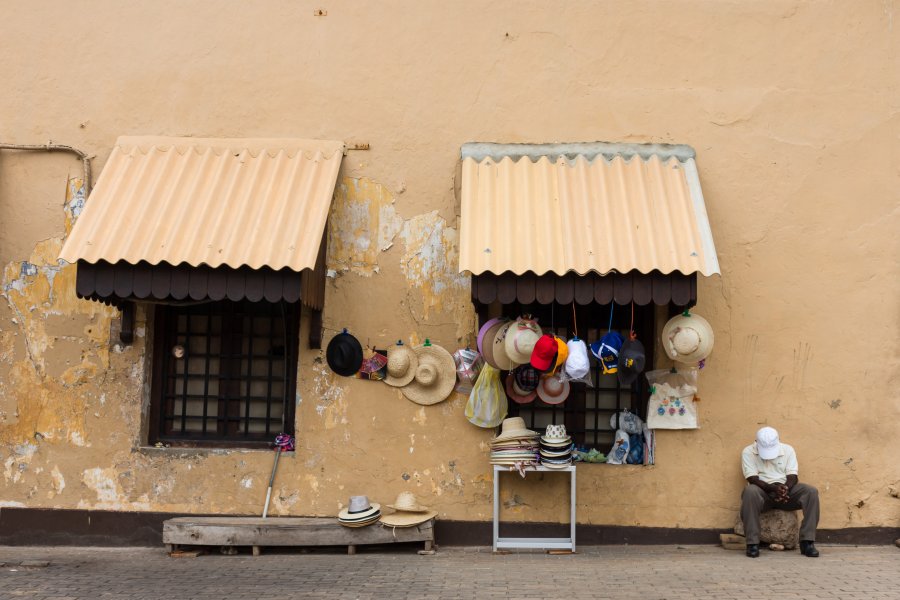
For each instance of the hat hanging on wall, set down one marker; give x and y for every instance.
(631, 361)
(435, 375)
(552, 390)
(344, 354)
(495, 352)
(520, 340)
(687, 338)
(483, 332)
(401, 365)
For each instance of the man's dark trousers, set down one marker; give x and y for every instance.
(802, 497)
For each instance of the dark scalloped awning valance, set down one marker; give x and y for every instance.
(124, 282)
(622, 288)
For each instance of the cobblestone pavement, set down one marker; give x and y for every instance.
(646, 572)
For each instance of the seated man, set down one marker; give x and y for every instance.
(771, 470)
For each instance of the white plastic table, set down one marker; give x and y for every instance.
(540, 543)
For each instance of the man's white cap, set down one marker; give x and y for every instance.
(767, 443)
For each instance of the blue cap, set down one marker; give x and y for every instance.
(606, 350)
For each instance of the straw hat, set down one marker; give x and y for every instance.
(435, 376)
(401, 365)
(495, 352)
(406, 502)
(407, 519)
(553, 391)
(687, 338)
(520, 340)
(514, 427)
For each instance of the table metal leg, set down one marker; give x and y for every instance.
(496, 508)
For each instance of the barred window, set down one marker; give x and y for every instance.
(224, 373)
(587, 411)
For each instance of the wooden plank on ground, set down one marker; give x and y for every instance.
(285, 531)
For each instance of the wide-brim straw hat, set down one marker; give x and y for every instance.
(401, 366)
(407, 502)
(495, 351)
(520, 340)
(514, 427)
(687, 338)
(407, 519)
(553, 391)
(435, 376)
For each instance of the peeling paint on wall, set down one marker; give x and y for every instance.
(361, 225)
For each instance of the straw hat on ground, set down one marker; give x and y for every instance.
(434, 378)
(409, 512)
(401, 365)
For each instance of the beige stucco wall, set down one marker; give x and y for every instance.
(791, 106)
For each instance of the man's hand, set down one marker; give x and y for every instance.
(781, 492)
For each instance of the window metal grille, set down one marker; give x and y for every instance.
(224, 372)
(587, 411)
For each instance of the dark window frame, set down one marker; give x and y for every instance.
(234, 393)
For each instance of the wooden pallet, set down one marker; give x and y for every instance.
(258, 533)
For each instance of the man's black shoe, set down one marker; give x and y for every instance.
(753, 550)
(808, 549)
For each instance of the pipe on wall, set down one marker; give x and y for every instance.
(48, 147)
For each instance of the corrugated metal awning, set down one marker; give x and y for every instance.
(583, 208)
(230, 206)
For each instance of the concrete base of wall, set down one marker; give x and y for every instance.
(52, 527)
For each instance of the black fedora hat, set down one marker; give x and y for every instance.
(344, 354)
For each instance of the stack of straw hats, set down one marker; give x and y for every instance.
(515, 445)
(408, 512)
(359, 513)
(556, 447)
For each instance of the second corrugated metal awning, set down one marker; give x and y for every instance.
(206, 219)
(549, 212)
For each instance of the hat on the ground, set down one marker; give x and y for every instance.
(767, 443)
(344, 354)
(577, 365)
(521, 339)
(606, 350)
(512, 428)
(435, 375)
(553, 391)
(409, 512)
(494, 345)
(359, 509)
(401, 365)
(543, 357)
(406, 501)
(687, 338)
(631, 361)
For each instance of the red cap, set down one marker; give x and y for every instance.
(544, 354)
